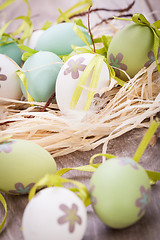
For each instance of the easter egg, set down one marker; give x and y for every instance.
(129, 49)
(32, 41)
(9, 81)
(120, 192)
(59, 38)
(23, 163)
(41, 70)
(12, 51)
(68, 79)
(54, 212)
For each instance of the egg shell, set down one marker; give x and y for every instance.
(32, 41)
(59, 38)
(54, 213)
(43, 68)
(12, 51)
(23, 163)
(129, 49)
(69, 76)
(120, 192)
(9, 81)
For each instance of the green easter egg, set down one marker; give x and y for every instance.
(12, 51)
(120, 192)
(131, 49)
(23, 163)
(42, 70)
(59, 38)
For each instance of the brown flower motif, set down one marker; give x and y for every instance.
(143, 201)
(92, 197)
(74, 67)
(6, 146)
(21, 189)
(70, 216)
(116, 62)
(151, 57)
(2, 77)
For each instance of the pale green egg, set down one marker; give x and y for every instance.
(23, 163)
(120, 192)
(131, 49)
(41, 70)
(12, 51)
(60, 38)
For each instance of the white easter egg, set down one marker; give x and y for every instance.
(68, 79)
(9, 81)
(32, 41)
(54, 213)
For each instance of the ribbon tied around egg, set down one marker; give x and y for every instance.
(140, 19)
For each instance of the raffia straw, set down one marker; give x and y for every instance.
(117, 112)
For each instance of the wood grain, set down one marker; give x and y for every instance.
(148, 227)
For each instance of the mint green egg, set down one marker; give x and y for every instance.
(23, 163)
(131, 49)
(120, 192)
(42, 70)
(12, 51)
(59, 38)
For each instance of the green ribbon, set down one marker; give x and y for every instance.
(79, 7)
(58, 181)
(141, 20)
(2, 200)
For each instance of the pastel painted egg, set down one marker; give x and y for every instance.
(120, 192)
(32, 41)
(23, 163)
(9, 81)
(12, 51)
(59, 38)
(54, 212)
(131, 49)
(41, 70)
(68, 79)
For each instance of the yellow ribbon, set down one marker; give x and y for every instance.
(79, 7)
(58, 181)
(2, 200)
(23, 78)
(25, 28)
(141, 20)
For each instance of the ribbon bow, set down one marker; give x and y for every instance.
(140, 19)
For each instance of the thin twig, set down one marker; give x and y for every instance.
(105, 9)
(89, 29)
(107, 20)
(48, 102)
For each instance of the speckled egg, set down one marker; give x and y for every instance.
(59, 38)
(120, 192)
(54, 213)
(12, 51)
(68, 79)
(41, 70)
(9, 81)
(131, 49)
(23, 163)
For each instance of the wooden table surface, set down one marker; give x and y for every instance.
(149, 226)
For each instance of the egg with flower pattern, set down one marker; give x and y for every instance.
(9, 81)
(22, 164)
(131, 49)
(68, 80)
(120, 192)
(54, 212)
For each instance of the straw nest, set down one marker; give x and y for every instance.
(114, 113)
